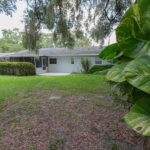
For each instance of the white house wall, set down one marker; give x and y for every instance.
(64, 64)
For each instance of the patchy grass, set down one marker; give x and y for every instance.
(15, 119)
(31, 101)
(60, 113)
(104, 105)
(2, 106)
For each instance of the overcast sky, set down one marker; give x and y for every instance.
(7, 22)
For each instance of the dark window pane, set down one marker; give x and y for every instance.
(72, 60)
(53, 61)
(44, 62)
(98, 62)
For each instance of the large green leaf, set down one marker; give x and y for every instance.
(133, 37)
(130, 26)
(110, 52)
(116, 73)
(128, 29)
(133, 33)
(133, 11)
(98, 68)
(144, 11)
(134, 48)
(139, 116)
(137, 73)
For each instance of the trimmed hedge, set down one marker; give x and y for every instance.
(17, 68)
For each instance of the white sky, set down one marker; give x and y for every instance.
(7, 22)
(111, 40)
(15, 21)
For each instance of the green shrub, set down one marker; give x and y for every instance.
(17, 68)
(85, 65)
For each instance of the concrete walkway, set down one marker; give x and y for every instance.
(54, 74)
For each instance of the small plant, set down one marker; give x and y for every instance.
(32, 148)
(69, 113)
(92, 107)
(29, 126)
(99, 104)
(57, 144)
(38, 131)
(113, 145)
(85, 65)
(52, 146)
(1, 132)
(60, 141)
(58, 115)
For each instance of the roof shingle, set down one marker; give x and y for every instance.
(77, 51)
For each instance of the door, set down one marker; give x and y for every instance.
(44, 63)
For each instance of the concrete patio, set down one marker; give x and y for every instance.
(54, 74)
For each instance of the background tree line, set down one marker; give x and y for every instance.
(12, 41)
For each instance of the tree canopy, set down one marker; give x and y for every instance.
(7, 6)
(61, 16)
(11, 41)
(94, 17)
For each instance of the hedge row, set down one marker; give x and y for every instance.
(17, 68)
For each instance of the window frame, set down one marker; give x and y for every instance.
(53, 61)
(98, 61)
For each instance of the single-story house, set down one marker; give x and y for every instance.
(57, 60)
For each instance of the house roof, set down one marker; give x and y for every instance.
(77, 51)
(5, 54)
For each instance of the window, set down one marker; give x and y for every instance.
(72, 60)
(98, 61)
(53, 61)
(110, 61)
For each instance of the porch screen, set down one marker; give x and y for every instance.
(38, 62)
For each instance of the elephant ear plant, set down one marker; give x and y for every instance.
(131, 55)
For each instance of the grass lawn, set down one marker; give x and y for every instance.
(74, 112)
(75, 84)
